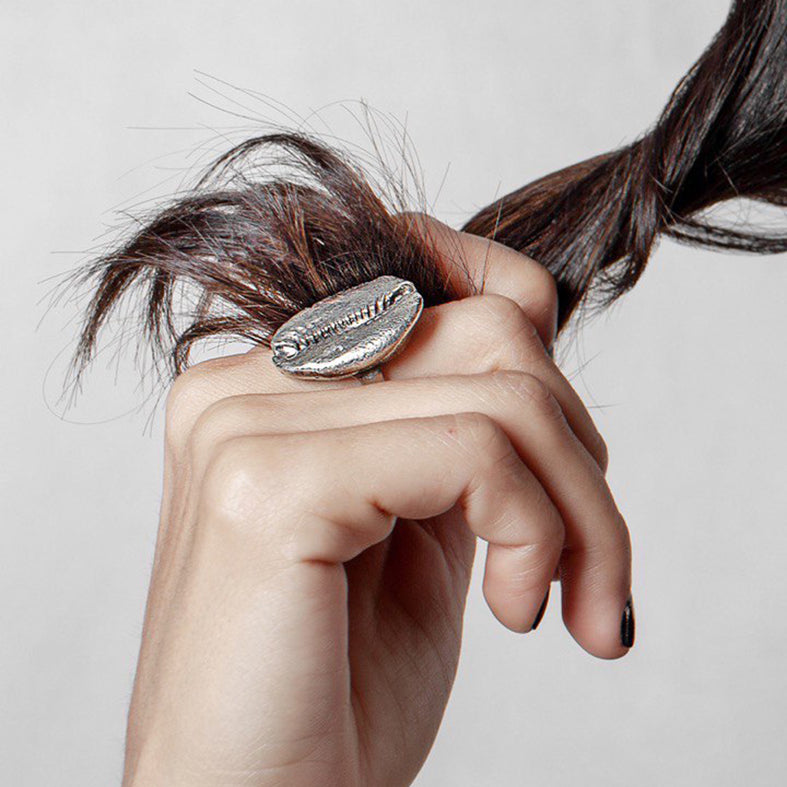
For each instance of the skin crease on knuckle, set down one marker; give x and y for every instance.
(532, 562)
(505, 353)
(504, 326)
(537, 296)
(512, 475)
(203, 385)
(190, 393)
(497, 468)
(229, 417)
(528, 391)
(509, 341)
(481, 437)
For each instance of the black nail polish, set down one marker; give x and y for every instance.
(627, 626)
(540, 613)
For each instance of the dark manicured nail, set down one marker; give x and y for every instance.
(627, 627)
(540, 613)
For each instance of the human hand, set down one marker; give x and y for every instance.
(316, 540)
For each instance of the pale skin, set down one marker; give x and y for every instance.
(316, 539)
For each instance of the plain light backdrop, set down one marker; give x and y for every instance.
(686, 375)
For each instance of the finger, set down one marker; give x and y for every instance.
(483, 334)
(596, 570)
(347, 486)
(472, 336)
(209, 382)
(494, 269)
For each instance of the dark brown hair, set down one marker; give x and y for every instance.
(283, 220)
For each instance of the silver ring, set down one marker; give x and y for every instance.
(351, 333)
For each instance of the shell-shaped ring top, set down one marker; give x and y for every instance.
(350, 333)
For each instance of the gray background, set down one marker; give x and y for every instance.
(686, 375)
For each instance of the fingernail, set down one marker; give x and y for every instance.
(540, 613)
(627, 626)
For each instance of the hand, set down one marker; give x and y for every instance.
(316, 541)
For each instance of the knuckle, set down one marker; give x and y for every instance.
(229, 416)
(237, 487)
(528, 391)
(508, 334)
(197, 388)
(532, 562)
(490, 451)
(212, 425)
(186, 399)
(192, 382)
(546, 531)
(506, 316)
(483, 436)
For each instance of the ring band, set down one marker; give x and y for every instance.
(372, 376)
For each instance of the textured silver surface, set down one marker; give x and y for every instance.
(348, 333)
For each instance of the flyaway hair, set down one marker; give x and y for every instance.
(283, 220)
